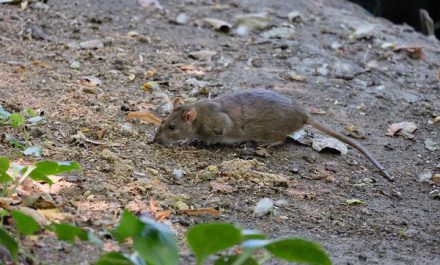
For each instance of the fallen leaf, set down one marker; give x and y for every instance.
(40, 218)
(218, 25)
(262, 152)
(150, 4)
(220, 187)
(90, 81)
(151, 72)
(414, 52)
(150, 85)
(402, 128)
(431, 145)
(299, 78)
(192, 69)
(321, 143)
(319, 111)
(203, 211)
(55, 215)
(160, 215)
(145, 116)
(33, 151)
(354, 202)
(153, 207)
(355, 131)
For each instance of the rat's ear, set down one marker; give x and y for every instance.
(177, 103)
(190, 115)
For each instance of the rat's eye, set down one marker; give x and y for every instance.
(172, 126)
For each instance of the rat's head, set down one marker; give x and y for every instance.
(178, 126)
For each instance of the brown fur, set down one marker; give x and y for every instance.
(261, 116)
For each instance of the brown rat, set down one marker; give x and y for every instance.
(261, 116)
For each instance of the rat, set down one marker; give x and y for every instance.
(260, 115)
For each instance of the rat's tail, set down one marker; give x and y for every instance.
(351, 142)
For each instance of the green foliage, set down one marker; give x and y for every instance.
(155, 242)
(113, 258)
(229, 260)
(16, 120)
(26, 225)
(207, 239)
(298, 250)
(43, 169)
(129, 226)
(68, 232)
(4, 166)
(9, 243)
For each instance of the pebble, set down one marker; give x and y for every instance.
(182, 19)
(178, 173)
(75, 65)
(263, 207)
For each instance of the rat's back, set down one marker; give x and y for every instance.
(262, 115)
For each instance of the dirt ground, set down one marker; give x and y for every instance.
(349, 77)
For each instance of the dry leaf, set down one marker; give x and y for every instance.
(145, 116)
(192, 69)
(314, 110)
(90, 81)
(160, 215)
(355, 131)
(153, 207)
(203, 211)
(299, 78)
(402, 128)
(55, 215)
(37, 215)
(151, 72)
(220, 187)
(414, 52)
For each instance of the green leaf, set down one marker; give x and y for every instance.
(229, 260)
(299, 250)
(26, 225)
(156, 244)
(4, 166)
(113, 258)
(9, 243)
(68, 232)
(129, 226)
(47, 168)
(207, 239)
(252, 234)
(4, 177)
(33, 150)
(16, 120)
(4, 163)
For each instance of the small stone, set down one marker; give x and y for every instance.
(128, 130)
(178, 173)
(181, 19)
(425, 176)
(279, 33)
(75, 65)
(436, 179)
(91, 44)
(431, 145)
(180, 205)
(331, 166)
(281, 203)
(263, 207)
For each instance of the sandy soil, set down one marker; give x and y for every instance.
(350, 78)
